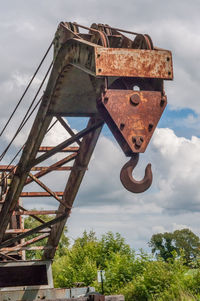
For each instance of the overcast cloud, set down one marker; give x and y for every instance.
(173, 201)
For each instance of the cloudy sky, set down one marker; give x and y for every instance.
(173, 201)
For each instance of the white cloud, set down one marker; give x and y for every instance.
(178, 171)
(175, 162)
(158, 229)
(21, 80)
(178, 227)
(171, 203)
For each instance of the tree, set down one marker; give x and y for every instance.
(78, 265)
(186, 240)
(163, 244)
(138, 277)
(113, 243)
(89, 254)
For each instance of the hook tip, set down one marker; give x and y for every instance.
(130, 183)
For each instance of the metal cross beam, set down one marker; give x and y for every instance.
(94, 75)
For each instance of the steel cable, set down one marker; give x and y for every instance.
(106, 26)
(30, 82)
(25, 119)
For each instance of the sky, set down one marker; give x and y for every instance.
(173, 201)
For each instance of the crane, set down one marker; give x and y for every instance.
(108, 75)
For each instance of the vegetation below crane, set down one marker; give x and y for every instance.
(137, 276)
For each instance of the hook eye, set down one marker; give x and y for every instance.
(129, 182)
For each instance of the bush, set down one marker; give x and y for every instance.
(138, 278)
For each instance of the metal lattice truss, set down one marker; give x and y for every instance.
(93, 75)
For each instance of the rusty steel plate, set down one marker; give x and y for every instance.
(134, 62)
(132, 116)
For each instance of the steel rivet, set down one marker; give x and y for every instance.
(105, 100)
(163, 100)
(150, 127)
(122, 125)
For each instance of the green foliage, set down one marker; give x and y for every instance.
(87, 255)
(160, 281)
(138, 277)
(78, 264)
(187, 241)
(67, 271)
(111, 244)
(119, 271)
(163, 244)
(30, 223)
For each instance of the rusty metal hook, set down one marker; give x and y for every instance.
(129, 182)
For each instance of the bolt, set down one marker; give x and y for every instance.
(122, 125)
(163, 100)
(135, 99)
(150, 127)
(105, 100)
(138, 140)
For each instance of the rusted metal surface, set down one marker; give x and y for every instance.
(28, 248)
(82, 160)
(24, 244)
(33, 216)
(36, 212)
(64, 150)
(39, 194)
(7, 257)
(132, 116)
(56, 220)
(35, 168)
(17, 231)
(52, 167)
(42, 185)
(129, 182)
(69, 141)
(67, 128)
(134, 63)
(94, 75)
